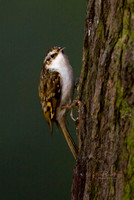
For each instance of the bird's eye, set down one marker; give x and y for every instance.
(53, 55)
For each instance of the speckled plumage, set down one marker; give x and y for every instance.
(50, 94)
(56, 90)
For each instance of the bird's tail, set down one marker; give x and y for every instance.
(69, 139)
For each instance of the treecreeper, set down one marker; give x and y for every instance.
(56, 91)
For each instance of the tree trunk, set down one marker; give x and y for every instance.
(105, 165)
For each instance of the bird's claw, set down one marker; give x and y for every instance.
(76, 104)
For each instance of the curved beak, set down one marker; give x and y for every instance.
(62, 48)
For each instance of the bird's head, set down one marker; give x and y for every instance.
(52, 55)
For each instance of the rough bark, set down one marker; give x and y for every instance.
(105, 166)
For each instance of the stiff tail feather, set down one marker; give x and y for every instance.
(69, 139)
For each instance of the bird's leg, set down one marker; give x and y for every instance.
(74, 104)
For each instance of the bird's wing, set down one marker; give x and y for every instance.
(50, 94)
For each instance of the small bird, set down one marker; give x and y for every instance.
(56, 90)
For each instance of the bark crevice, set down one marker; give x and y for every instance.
(106, 115)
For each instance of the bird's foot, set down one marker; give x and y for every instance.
(70, 107)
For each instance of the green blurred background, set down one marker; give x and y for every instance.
(34, 165)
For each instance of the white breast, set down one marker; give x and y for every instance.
(61, 64)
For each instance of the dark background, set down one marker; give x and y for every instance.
(34, 165)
